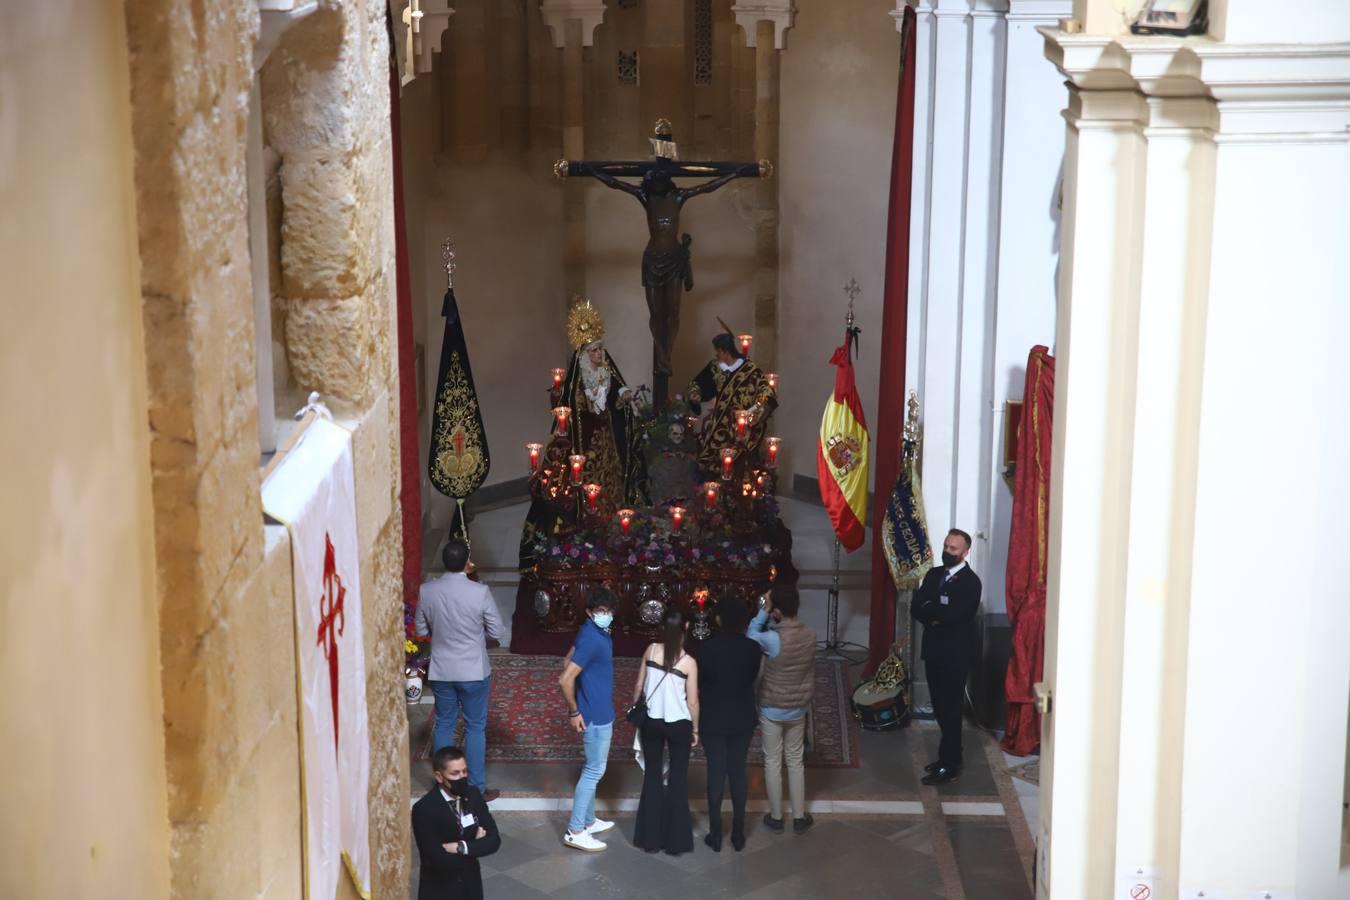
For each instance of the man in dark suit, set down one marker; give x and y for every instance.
(452, 828)
(946, 604)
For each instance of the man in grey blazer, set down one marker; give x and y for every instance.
(460, 615)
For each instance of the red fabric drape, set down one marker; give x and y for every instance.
(1027, 548)
(894, 316)
(410, 487)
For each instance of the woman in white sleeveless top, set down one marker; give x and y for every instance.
(671, 690)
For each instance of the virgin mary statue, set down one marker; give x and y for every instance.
(604, 426)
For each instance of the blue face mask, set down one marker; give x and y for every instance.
(603, 620)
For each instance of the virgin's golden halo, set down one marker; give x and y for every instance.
(584, 325)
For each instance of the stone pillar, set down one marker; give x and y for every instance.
(766, 26)
(326, 110)
(1202, 291)
(573, 23)
(766, 198)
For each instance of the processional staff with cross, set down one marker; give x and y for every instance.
(666, 270)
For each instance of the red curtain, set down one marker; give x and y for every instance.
(410, 487)
(1027, 542)
(894, 316)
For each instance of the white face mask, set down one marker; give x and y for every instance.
(603, 620)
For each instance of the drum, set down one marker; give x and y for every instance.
(883, 703)
(880, 708)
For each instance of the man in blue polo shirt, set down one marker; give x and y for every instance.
(587, 685)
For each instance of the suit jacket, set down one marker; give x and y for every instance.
(445, 875)
(948, 627)
(460, 616)
(727, 666)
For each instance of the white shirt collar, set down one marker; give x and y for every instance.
(733, 367)
(957, 568)
(448, 798)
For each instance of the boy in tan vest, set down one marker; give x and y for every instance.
(785, 689)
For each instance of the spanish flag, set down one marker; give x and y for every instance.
(841, 455)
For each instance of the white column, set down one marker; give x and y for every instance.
(1027, 253)
(983, 245)
(1197, 621)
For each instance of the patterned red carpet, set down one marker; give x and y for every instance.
(525, 723)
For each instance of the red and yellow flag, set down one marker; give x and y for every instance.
(841, 455)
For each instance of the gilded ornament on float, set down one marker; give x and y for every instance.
(585, 325)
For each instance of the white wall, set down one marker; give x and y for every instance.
(983, 251)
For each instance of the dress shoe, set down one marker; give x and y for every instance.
(491, 794)
(799, 826)
(932, 766)
(775, 825)
(941, 775)
(737, 841)
(714, 841)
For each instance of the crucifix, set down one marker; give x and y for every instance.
(666, 270)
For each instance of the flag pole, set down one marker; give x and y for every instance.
(832, 647)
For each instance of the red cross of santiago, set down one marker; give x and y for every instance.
(331, 624)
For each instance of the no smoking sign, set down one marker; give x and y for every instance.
(1141, 891)
(1137, 883)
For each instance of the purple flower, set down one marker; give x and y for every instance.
(632, 559)
(573, 552)
(670, 559)
(695, 553)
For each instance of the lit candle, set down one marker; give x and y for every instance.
(625, 520)
(742, 422)
(710, 490)
(558, 378)
(728, 458)
(772, 378)
(676, 517)
(592, 495)
(576, 460)
(534, 455)
(701, 597)
(773, 443)
(746, 488)
(745, 340)
(562, 413)
(773, 572)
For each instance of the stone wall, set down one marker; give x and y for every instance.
(82, 787)
(228, 670)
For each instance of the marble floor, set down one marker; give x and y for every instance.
(878, 831)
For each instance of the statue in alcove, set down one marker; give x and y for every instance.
(666, 269)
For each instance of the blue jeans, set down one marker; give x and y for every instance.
(471, 698)
(597, 739)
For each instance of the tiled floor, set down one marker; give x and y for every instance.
(878, 832)
(876, 826)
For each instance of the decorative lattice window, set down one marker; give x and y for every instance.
(628, 67)
(703, 41)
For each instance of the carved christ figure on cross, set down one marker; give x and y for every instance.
(666, 271)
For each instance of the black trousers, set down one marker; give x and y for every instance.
(946, 686)
(663, 820)
(726, 763)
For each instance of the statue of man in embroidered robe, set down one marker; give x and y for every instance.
(727, 385)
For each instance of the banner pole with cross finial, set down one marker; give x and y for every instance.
(832, 647)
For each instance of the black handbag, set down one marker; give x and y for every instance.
(637, 713)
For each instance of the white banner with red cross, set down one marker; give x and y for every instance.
(311, 492)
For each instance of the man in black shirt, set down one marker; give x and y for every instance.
(452, 828)
(946, 604)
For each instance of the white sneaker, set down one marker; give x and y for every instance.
(583, 841)
(598, 826)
